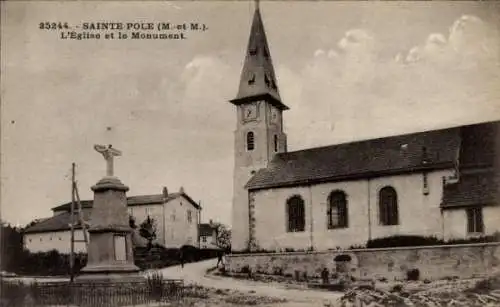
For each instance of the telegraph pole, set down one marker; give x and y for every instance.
(72, 221)
(199, 223)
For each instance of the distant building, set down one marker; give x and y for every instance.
(208, 235)
(176, 217)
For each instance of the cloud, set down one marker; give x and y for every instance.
(446, 80)
(469, 43)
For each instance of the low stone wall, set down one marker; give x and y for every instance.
(432, 262)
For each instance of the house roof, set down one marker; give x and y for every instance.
(475, 187)
(58, 222)
(362, 159)
(206, 229)
(136, 201)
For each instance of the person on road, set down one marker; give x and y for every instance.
(220, 254)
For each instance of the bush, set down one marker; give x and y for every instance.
(50, 263)
(400, 241)
(407, 240)
(488, 284)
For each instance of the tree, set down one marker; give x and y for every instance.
(223, 236)
(11, 247)
(131, 222)
(148, 230)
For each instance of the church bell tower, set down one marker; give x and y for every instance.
(259, 129)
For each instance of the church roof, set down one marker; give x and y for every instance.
(479, 187)
(258, 80)
(363, 159)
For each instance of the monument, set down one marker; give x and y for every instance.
(110, 254)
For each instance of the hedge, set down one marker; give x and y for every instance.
(53, 263)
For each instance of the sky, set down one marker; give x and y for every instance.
(347, 70)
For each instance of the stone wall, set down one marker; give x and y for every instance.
(433, 262)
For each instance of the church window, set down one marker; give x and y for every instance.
(250, 141)
(253, 51)
(189, 216)
(425, 184)
(475, 220)
(337, 210)
(388, 206)
(296, 214)
(275, 143)
(252, 79)
(267, 80)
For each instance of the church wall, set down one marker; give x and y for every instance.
(271, 223)
(419, 214)
(357, 231)
(455, 222)
(178, 230)
(58, 240)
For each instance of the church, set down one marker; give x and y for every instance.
(443, 183)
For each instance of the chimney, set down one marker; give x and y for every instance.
(165, 192)
(181, 190)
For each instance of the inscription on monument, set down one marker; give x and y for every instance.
(120, 248)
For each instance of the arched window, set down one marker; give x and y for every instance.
(337, 210)
(388, 206)
(250, 141)
(275, 143)
(296, 214)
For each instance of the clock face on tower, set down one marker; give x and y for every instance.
(250, 112)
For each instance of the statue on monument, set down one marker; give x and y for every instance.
(108, 153)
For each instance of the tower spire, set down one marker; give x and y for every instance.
(258, 79)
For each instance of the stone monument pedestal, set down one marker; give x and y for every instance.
(110, 256)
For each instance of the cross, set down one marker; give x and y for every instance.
(257, 4)
(108, 153)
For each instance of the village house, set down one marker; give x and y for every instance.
(176, 218)
(442, 183)
(208, 235)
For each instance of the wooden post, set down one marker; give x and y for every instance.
(72, 229)
(199, 222)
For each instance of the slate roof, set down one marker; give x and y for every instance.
(474, 188)
(136, 201)
(258, 78)
(60, 222)
(206, 230)
(362, 159)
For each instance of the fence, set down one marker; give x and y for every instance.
(90, 294)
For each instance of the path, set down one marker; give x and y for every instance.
(195, 273)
